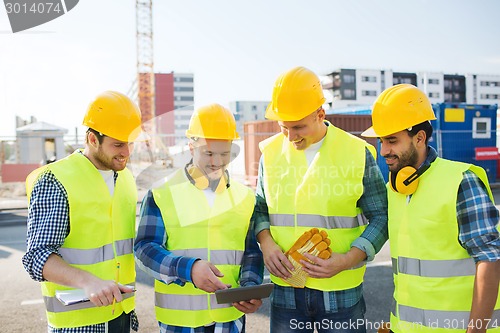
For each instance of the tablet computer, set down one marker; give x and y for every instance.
(244, 293)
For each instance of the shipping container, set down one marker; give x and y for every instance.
(467, 133)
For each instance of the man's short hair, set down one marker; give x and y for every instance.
(100, 136)
(425, 126)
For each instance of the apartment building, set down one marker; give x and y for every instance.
(174, 100)
(245, 111)
(357, 87)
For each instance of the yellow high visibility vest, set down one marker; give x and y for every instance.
(194, 229)
(102, 230)
(322, 195)
(433, 273)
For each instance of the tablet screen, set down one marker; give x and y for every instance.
(243, 293)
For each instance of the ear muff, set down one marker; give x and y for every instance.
(198, 179)
(405, 181)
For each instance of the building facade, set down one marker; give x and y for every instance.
(245, 111)
(357, 87)
(174, 100)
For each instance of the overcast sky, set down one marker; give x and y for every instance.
(235, 49)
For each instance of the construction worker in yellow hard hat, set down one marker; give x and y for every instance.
(315, 175)
(195, 236)
(81, 224)
(443, 224)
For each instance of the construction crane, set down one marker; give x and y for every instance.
(145, 63)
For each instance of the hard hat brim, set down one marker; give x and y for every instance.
(271, 114)
(370, 133)
(142, 137)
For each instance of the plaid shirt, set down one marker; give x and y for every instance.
(477, 217)
(48, 227)
(373, 202)
(155, 260)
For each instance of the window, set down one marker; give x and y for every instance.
(368, 79)
(349, 78)
(190, 89)
(490, 96)
(398, 80)
(433, 81)
(349, 93)
(369, 93)
(254, 107)
(490, 83)
(50, 150)
(183, 79)
(481, 128)
(433, 95)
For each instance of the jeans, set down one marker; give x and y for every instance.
(211, 329)
(120, 324)
(310, 315)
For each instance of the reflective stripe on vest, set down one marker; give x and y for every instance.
(216, 257)
(323, 194)
(433, 274)
(441, 319)
(309, 220)
(188, 302)
(214, 233)
(434, 268)
(94, 256)
(102, 228)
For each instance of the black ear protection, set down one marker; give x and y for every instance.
(405, 181)
(198, 179)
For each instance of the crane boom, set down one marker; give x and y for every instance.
(145, 62)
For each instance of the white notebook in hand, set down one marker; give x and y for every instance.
(74, 296)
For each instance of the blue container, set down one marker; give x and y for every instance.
(461, 128)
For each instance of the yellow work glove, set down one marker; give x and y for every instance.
(314, 242)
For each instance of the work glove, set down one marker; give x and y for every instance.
(384, 328)
(314, 242)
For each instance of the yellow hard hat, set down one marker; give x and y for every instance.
(398, 108)
(212, 122)
(115, 115)
(297, 93)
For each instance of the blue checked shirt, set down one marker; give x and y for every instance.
(152, 257)
(373, 202)
(48, 227)
(477, 217)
